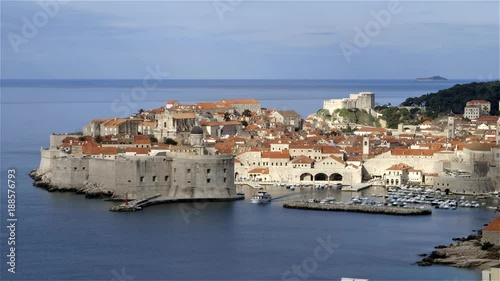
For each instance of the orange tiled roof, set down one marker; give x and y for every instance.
(487, 118)
(302, 159)
(477, 102)
(399, 167)
(494, 225)
(259, 171)
(413, 152)
(186, 115)
(94, 149)
(240, 101)
(276, 155)
(138, 150)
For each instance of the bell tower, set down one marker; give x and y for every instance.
(498, 131)
(450, 129)
(366, 146)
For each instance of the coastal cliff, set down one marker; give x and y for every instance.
(43, 180)
(464, 253)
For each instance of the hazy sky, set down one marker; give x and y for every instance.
(251, 40)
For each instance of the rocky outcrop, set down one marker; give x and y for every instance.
(465, 253)
(42, 180)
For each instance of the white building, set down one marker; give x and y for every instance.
(475, 108)
(472, 112)
(362, 100)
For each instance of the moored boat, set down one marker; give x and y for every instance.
(261, 197)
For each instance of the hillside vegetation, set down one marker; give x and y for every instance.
(455, 98)
(346, 116)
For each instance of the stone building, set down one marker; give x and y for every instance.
(362, 100)
(397, 174)
(188, 175)
(112, 126)
(301, 169)
(239, 105)
(291, 119)
(483, 108)
(491, 233)
(223, 128)
(171, 124)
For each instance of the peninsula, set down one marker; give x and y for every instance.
(202, 150)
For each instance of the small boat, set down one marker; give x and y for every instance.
(261, 197)
(240, 193)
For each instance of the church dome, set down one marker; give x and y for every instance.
(197, 130)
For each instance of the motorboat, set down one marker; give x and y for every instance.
(261, 197)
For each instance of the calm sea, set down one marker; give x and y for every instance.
(62, 236)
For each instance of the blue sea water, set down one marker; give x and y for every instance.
(63, 236)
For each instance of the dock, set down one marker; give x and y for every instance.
(340, 207)
(139, 204)
(356, 187)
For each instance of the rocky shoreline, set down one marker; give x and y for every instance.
(42, 180)
(466, 252)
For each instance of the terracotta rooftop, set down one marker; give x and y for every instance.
(494, 225)
(478, 146)
(413, 152)
(289, 113)
(276, 155)
(187, 115)
(399, 167)
(475, 102)
(302, 159)
(240, 101)
(259, 171)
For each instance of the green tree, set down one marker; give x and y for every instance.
(152, 138)
(170, 141)
(244, 123)
(247, 113)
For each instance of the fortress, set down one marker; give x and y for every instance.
(171, 174)
(362, 100)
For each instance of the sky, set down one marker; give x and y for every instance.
(231, 39)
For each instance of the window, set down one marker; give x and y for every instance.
(188, 171)
(166, 178)
(175, 170)
(208, 180)
(225, 170)
(154, 178)
(224, 179)
(142, 179)
(208, 171)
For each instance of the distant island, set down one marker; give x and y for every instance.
(433, 78)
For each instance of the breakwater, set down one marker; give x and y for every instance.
(339, 207)
(138, 205)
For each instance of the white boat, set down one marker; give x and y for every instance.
(261, 197)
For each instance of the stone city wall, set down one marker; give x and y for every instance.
(174, 175)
